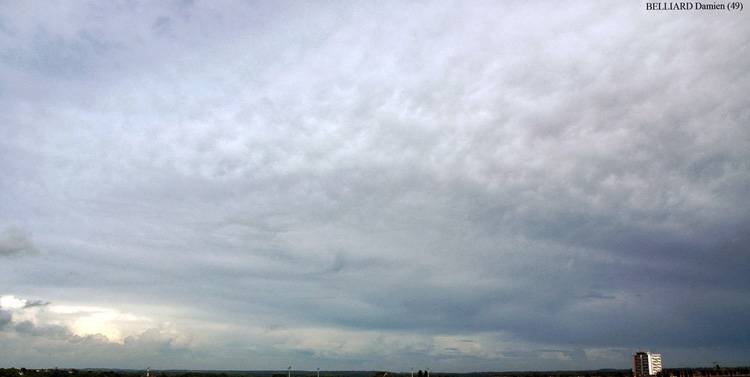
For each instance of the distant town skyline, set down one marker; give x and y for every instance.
(464, 186)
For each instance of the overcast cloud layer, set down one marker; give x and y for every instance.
(351, 185)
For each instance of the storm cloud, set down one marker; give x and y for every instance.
(372, 186)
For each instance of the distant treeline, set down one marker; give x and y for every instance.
(680, 372)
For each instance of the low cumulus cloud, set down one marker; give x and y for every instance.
(40, 325)
(45, 319)
(30, 318)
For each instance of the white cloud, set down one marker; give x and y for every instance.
(80, 321)
(11, 302)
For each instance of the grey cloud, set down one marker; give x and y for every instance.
(6, 317)
(536, 172)
(45, 331)
(577, 355)
(37, 303)
(521, 353)
(598, 296)
(15, 242)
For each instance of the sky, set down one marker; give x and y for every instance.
(354, 185)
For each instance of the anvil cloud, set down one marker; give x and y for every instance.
(463, 186)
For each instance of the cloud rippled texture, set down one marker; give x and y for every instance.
(524, 184)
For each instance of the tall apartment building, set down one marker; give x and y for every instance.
(646, 363)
